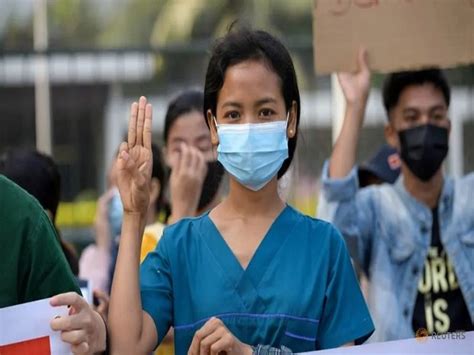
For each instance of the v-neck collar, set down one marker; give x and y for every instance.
(279, 230)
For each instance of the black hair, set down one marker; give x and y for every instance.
(395, 83)
(159, 172)
(185, 102)
(241, 44)
(38, 174)
(35, 172)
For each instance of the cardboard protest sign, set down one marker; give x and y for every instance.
(399, 34)
(25, 329)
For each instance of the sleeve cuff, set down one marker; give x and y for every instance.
(357, 335)
(339, 189)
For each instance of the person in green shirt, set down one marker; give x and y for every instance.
(33, 267)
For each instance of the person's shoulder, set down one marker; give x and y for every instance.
(464, 193)
(11, 191)
(318, 228)
(18, 206)
(184, 229)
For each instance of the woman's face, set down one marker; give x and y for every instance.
(191, 129)
(251, 93)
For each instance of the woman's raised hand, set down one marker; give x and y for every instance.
(135, 160)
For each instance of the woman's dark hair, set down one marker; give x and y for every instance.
(395, 83)
(185, 102)
(159, 173)
(241, 44)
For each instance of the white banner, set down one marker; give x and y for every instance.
(25, 329)
(459, 343)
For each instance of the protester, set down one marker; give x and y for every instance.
(39, 175)
(195, 174)
(252, 271)
(414, 239)
(33, 267)
(382, 167)
(193, 188)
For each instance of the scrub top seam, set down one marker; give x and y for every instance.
(248, 315)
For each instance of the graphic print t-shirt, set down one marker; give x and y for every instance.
(440, 305)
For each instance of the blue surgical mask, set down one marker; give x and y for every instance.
(115, 214)
(253, 152)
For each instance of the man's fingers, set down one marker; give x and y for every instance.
(69, 299)
(147, 126)
(141, 120)
(132, 125)
(363, 59)
(101, 295)
(82, 348)
(66, 323)
(74, 337)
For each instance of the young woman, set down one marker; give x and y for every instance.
(253, 271)
(195, 174)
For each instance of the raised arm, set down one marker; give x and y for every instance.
(355, 87)
(132, 331)
(342, 202)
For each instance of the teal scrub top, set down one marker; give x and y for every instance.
(299, 289)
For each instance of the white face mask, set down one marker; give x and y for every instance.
(253, 152)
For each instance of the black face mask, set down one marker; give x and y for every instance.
(423, 149)
(212, 182)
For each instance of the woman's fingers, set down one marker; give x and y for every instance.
(123, 156)
(223, 345)
(208, 328)
(147, 126)
(185, 158)
(201, 165)
(132, 125)
(141, 120)
(207, 343)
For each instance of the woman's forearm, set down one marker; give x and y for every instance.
(125, 313)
